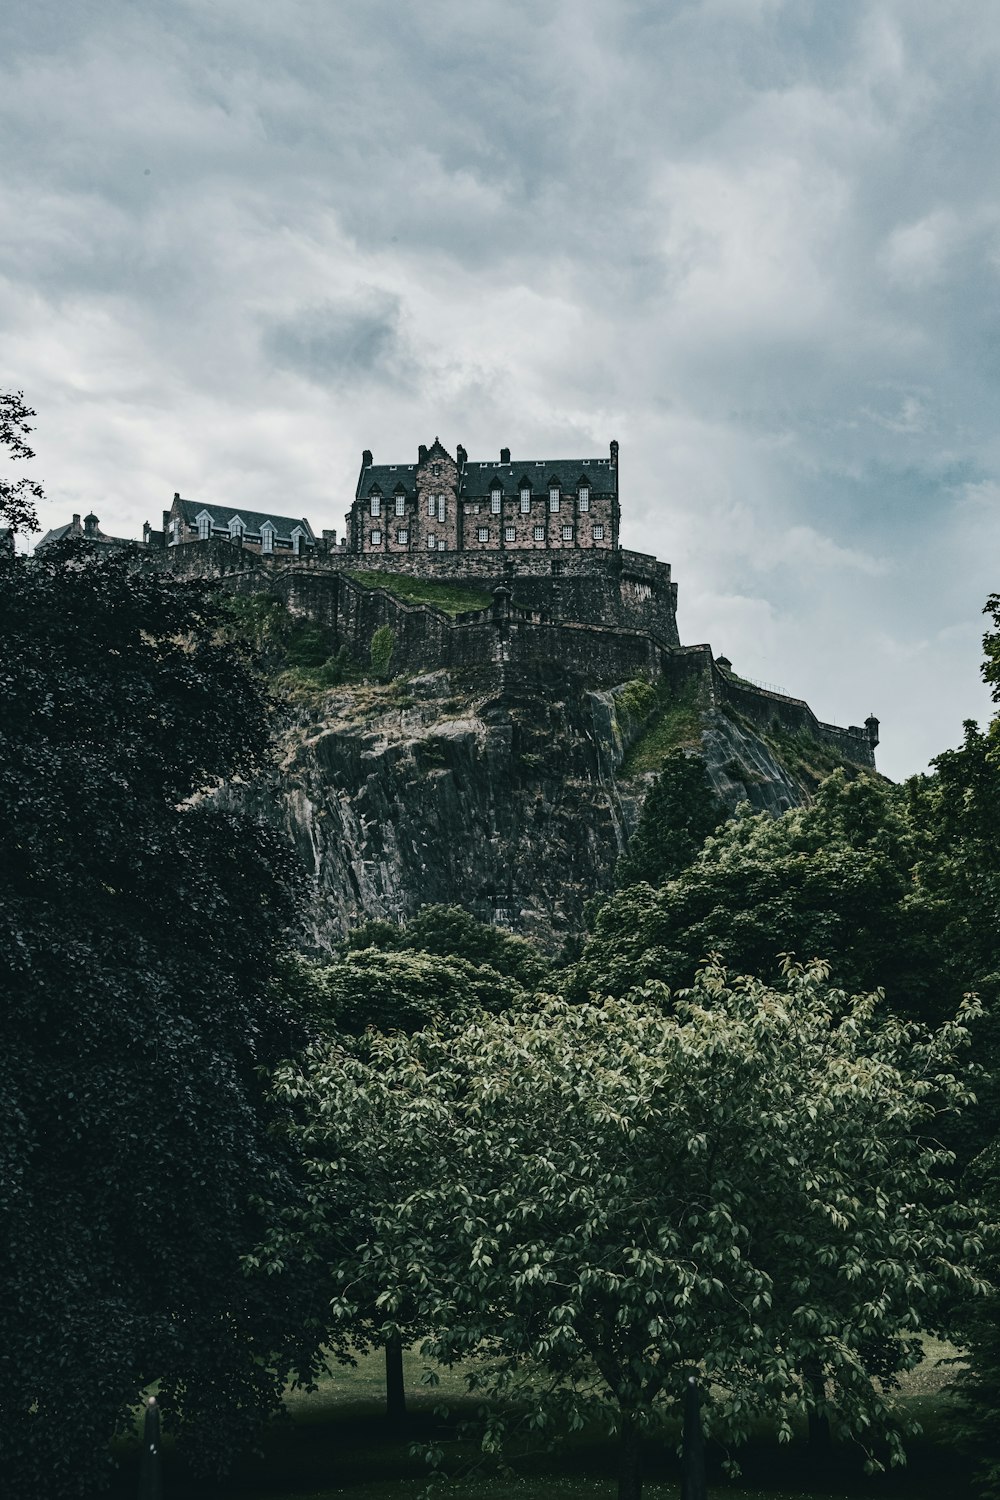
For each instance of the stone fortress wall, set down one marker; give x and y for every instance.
(610, 618)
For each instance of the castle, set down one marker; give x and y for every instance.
(532, 544)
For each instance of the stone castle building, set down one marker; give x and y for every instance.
(446, 504)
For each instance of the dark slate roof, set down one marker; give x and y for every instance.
(253, 519)
(56, 535)
(477, 478)
(386, 478)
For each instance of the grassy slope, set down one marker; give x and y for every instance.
(452, 598)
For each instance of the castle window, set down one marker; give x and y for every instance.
(442, 544)
(267, 538)
(483, 534)
(297, 536)
(567, 533)
(204, 527)
(557, 568)
(376, 538)
(401, 505)
(236, 529)
(376, 505)
(432, 542)
(525, 502)
(598, 532)
(402, 537)
(584, 497)
(496, 498)
(435, 470)
(553, 498)
(432, 505)
(440, 514)
(539, 533)
(509, 533)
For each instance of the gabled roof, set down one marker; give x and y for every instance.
(55, 535)
(253, 520)
(386, 478)
(478, 478)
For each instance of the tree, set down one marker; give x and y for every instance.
(680, 812)
(17, 497)
(403, 990)
(740, 1178)
(139, 923)
(451, 932)
(837, 878)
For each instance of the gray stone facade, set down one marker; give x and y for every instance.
(446, 505)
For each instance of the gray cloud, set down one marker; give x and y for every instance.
(758, 241)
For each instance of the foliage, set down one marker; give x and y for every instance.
(19, 497)
(138, 927)
(395, 990)
(836, 878)
(637, 698)
(451, 932)
(680, 812)
(297, 652)
(382, 646)
(676, 724)
(452, 598)
(619, 1192)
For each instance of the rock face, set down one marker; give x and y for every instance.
(498, 789)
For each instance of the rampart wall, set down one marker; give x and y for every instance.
(610, 622)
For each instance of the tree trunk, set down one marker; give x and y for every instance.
(819, 1422)
(395, 1391)
(629, 1460)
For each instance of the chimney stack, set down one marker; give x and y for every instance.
(614, 454)
(366, 459)
(505, 455)
(422, 454)
(461, 455)
(76, 522)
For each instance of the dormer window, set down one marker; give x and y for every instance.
(204, 526)
(584, 497)
(236, 529)
(401, 505)
(297, 536)
(554, 498)
(525, 499)
(267, 537)
(496, 499)
(376, 505)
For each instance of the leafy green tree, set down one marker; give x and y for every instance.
(680, 812)
(139, 923)
(451, 932)
(836, 878)
(397, 990)
(738, 1178)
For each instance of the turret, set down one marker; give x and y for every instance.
(871, 725)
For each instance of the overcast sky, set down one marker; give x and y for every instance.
(756, 241)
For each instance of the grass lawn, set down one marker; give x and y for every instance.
(336, 1443)
(452, 598)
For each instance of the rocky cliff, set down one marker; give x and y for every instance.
(509, 791)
